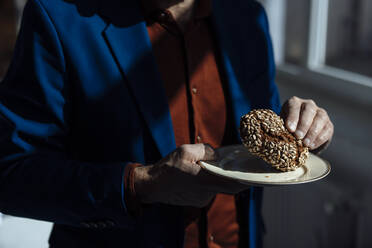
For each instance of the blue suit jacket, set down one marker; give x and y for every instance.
(83, 97)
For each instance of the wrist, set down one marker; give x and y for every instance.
(133, 205)
(142, 183)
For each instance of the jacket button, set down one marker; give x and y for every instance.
(94, 225)
(84, 224)
(102, 225)
(110, 223)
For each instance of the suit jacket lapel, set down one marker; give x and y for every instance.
(131, 47)
(227, 33)
(245, 55)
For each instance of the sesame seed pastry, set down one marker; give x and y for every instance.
(263, 133)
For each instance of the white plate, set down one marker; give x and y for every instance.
(239, 164)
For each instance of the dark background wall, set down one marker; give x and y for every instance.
(335, 212)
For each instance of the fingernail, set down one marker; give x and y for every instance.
(312, 146)
(307, 142)
(292, 126)
(300, 134)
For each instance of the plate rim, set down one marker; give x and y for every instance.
(260, 183)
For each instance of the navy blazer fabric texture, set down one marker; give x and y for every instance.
(83, 97)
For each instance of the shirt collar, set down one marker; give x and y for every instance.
(203, 8)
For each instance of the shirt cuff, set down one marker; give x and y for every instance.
(132, 202)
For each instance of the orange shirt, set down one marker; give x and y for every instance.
(187, 62)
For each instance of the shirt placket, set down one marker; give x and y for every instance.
(193, 89)
(194, 98)
(166, 19)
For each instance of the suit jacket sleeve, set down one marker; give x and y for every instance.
(37, 179)
(274, 97)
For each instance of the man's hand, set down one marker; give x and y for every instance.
(178, 179)
(308, 121)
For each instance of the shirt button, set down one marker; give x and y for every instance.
(110, 223)
(163, 17)
(194, 90)
(198, 138)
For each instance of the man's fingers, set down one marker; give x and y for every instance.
(307, 121)
(319, 121)
(324, 136)
(307, 114)
(291, 113)
(196, 152)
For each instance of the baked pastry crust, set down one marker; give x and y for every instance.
(263, 133)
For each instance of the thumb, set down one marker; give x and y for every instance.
(209, 153)
(196, 152)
